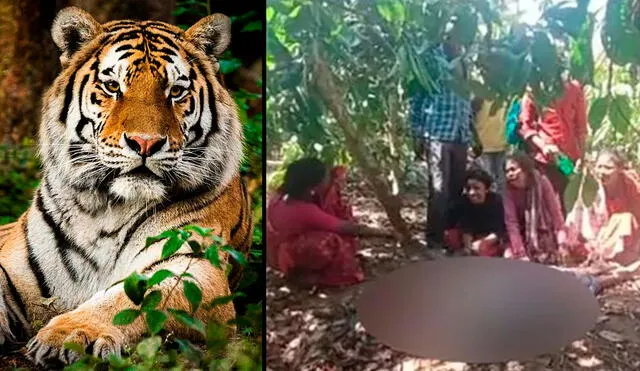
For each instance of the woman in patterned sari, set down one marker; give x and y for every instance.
(533, 215)
(311, 232)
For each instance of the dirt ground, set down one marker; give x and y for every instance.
(15, 360)
(319, 330)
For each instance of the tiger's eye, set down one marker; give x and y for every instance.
(112, 86)
(176, 91)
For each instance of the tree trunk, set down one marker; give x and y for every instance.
(28, 66)
(331, 95)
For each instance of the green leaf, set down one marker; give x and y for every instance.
(135, 286)
(83, 364)
(171, 246)
(213, 256)
(248, 278)
(155, 320)
(151, 300)
(193, 294)
(187, 320)
(221, 300)
(166, 234)
(270, 13)
(598, 111)
(117, 362)
(126, 317)
(75, 347)
(228, 66)
(620, 113)
(217, 239)
(195, 247)
(204, 232)
(581, 58)
(391, 11)
(252, 26)
(187, 274)
(236, 255)
(148, 347)
(295, 12)
(159, 276)
(216, 335)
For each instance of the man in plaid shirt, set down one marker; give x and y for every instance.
(442, 122)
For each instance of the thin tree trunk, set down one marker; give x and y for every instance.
(331, 95)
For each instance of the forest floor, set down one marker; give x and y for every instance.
(319, 330)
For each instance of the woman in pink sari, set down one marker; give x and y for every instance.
(533, 215)
(311, 232)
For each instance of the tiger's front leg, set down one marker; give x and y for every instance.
(91, 323)
(7, 326)
(14, 325)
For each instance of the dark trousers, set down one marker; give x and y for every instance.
(447, 164)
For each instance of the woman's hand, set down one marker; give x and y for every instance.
(550, 150)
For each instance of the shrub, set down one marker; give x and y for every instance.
(160, 350)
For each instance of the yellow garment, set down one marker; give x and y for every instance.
(491, 129)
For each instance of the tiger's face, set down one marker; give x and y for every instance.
(137, 113)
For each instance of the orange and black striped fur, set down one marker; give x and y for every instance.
(137, 137)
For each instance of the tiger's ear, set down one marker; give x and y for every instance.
(211, 34)
(72, 28)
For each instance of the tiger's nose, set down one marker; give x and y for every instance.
(145, 145)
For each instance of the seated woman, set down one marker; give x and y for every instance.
(533, 215)
(311, 231)
(606, 235)
(476, 224)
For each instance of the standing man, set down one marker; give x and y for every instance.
(491, 134)
(561, 129)
(442, 124)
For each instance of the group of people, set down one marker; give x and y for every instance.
(496, 202)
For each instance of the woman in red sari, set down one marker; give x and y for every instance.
(311, 232)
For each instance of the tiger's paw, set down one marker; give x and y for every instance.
(97, 338)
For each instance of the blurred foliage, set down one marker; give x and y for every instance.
(380, 52)
(19, 176)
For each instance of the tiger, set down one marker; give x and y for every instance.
(137, 136)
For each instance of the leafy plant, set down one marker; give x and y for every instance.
(162, 350)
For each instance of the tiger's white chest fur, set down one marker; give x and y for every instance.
(84, 244)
